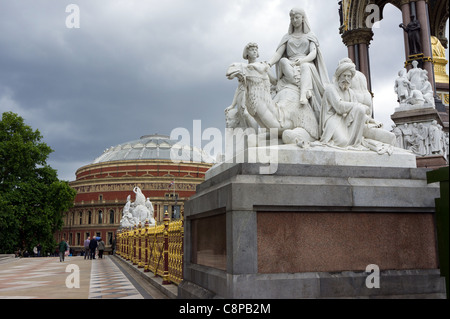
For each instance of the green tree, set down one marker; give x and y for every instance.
(32, 198)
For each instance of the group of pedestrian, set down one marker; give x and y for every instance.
(90, 248)
(91, 245)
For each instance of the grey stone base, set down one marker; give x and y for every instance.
(394, 284)
(241, 194)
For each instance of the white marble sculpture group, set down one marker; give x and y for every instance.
(139, 211)
(301, 102)
(413, 89)
(423, 139)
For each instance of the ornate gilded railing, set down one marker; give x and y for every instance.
(156, 248)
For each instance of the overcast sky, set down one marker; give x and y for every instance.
(139, 67)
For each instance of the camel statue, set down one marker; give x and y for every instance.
(283, 111)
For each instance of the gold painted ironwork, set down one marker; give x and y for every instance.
(157, 249)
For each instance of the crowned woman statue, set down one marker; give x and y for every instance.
(300, 63)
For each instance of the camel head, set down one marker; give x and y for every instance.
(234, 70)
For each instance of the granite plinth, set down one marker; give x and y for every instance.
(309, 231)
(432, 161)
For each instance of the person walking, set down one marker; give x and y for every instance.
(62, 249)
(113, 246)
(86, 247)
(93, 246)
(101, 248)
(39, 249)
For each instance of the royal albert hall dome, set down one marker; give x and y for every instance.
(153, 147)
(166, 172)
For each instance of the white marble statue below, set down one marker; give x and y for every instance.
(140, 211)
(413, 89)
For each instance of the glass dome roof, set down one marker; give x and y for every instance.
(150, 147)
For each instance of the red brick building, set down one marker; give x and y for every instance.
(103, 186)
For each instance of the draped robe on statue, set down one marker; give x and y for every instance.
(310, 76)
(343, 118)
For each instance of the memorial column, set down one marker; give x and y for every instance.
(406, 18)
(425, 34)
(419, 9)
(357, 42)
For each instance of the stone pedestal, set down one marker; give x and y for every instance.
(427, 158)
(416, 116)
(310, 231)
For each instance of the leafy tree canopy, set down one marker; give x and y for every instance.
(32, 198)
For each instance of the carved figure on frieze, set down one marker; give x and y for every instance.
(407, 136)
(446, 145)
(422, 136)
(418, 139)
(434, 133)
(398, 136)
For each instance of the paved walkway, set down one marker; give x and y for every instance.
(75, 278)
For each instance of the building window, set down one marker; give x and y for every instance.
(176, 212)
(89, 217)
(70, 239)
(100, 217)
(100, 197)
(111, 216)
(110, 238)
(81, 218)
(78, 239)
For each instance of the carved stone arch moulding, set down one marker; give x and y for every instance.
(357, 12)
(439, 14)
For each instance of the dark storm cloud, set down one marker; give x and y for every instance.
(141, 67)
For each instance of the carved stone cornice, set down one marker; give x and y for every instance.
(357, 36)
